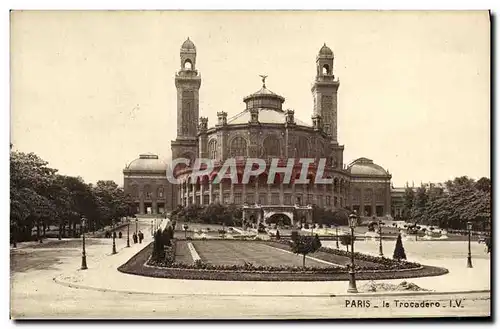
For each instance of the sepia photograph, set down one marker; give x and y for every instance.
(250, 165)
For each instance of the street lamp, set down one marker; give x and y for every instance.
(114, 237)
(337, 235)
(352, 279)
(151, 227)
(469, 258)
(185, 227)
(136, 223)
(128, 232)
(84, 256)
(380, 252)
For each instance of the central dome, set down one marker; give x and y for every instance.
(264, 98)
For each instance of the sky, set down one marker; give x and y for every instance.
(90, 91)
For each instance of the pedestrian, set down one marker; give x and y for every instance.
(141, 237)
(134, 237)
(120, 235)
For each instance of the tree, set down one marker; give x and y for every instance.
(483, 184)
(399, 250)
(303, 245)
(408, 202)
(340, 217)
(417, 212)
(40, 197)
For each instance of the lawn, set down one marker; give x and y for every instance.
(226, 252)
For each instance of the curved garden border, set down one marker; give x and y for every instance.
(137, 266)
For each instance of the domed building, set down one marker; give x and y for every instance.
(370, 188)
(268, 130)
(145, 179)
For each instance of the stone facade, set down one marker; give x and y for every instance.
(146, 181)
(265, 130)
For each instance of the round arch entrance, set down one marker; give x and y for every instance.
(280, 219)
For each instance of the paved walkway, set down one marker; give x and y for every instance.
(103, 275)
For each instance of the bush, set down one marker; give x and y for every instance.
(306, 226)
(316, 242)
(399, 250)
(294, 235)
(345, 240)
(199, 264)
(158, 252)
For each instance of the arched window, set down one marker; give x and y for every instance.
(160, 192)
(238, 147)
(302, 147)
(271, 146)
(188, 65)
(212, 149)
(326, 69)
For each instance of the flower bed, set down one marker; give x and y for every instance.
(201, 271)
(381, 263)
(248, 267)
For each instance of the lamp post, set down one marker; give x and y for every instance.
(128, 232)
(352, 279)
(380, 252)
(114, 237)
(136, 225)
(185, 227)
(84, 256)
(337, 236)
(151, 227)
(469, 258)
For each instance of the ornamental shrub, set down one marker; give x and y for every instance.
(158, 247)
(303, 245)
(345, 240)
(399, 250)
(316, 242)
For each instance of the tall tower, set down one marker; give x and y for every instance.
(325, 92)
(187, 82)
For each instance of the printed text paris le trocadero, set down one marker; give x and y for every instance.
(400, 303)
